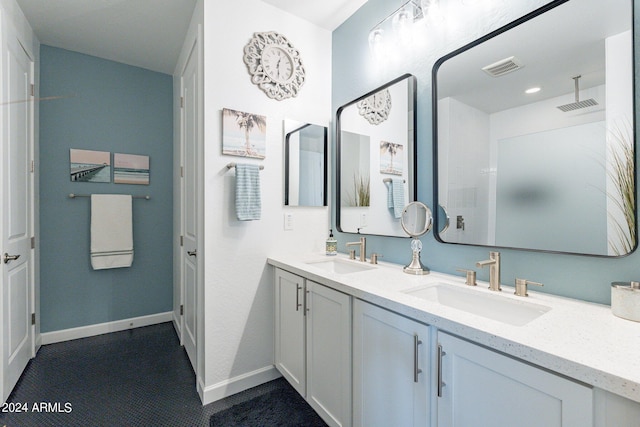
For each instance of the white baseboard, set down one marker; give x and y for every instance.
(237, 384)
(104, 328)
(177, 326)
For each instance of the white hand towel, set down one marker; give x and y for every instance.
(111, 231)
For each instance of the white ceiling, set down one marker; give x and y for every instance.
(146, 33)
(327, 14)
(552, 54)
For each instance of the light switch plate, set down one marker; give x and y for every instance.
(288, 221)
(363, 220)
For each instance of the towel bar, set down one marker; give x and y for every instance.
(73, 196)
(389, 180)
(233, 165)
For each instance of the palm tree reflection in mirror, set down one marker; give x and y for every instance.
(388, 151)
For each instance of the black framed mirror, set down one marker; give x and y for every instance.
(534, 133)
(305, 164)
(375, 159)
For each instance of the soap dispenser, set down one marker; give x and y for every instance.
(332, 244)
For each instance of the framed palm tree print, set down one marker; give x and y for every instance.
(244, 134)
(391, 158)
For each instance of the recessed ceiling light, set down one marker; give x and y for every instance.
(532, 90)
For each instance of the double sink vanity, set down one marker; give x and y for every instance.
(368, 345)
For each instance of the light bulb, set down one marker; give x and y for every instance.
(402, 19)
(375, 40)
(431, 9)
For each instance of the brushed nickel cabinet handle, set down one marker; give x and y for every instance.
(298, 305)
(439, 368)
(416, 369)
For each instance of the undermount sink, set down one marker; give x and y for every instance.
(496, 307)
(341, 266)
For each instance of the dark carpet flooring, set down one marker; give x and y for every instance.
(141, 377)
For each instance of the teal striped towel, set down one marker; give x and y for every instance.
(395, 196)
(248, 203)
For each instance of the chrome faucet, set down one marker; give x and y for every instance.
(494, 270)
(363, 248)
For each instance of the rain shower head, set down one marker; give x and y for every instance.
(578, 104)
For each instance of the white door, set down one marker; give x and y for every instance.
(17, 274)
(390, 369)
(190, 204)
(329, 353)
(290, 329)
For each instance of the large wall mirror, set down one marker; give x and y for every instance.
(534, 133)
(375, 147)
(305, 177)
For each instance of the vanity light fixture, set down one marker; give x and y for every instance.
(532, 90)
(432, 9)
(402, 19)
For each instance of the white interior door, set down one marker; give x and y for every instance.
(17, 274)
(190, 204)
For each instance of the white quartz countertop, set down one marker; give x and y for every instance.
(581, 340)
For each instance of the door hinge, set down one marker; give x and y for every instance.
(33, 89)
(182, 102)
(181, 171)
(181, 240)
(33, 318)
(33, 166)
(33, 242)
(181, 310)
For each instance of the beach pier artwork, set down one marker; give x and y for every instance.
(89, 165)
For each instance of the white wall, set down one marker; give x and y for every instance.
(465, 187)
(619, 78)
(238, 284)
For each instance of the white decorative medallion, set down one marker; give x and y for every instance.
(275, 65)
(376, 108)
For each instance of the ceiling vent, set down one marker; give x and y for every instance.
(504, 66)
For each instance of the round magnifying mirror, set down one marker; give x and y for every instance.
(416, 221)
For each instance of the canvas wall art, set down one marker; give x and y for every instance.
(89, 165)
(391, 158)
(130, 169)
(244, 134)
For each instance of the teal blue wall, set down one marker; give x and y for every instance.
(108, 106)
(355, 73)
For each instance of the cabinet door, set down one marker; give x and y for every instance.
(289, 329)
(485, 388)
(390, 368)
(329, 353)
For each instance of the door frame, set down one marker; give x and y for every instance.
(193, 46)
(8, 31)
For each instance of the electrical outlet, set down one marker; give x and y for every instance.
(363, 220)
(288, 221)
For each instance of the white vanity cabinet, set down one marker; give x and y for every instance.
(480, 387)
(290, 329)
(313, 344)
(391, 368)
